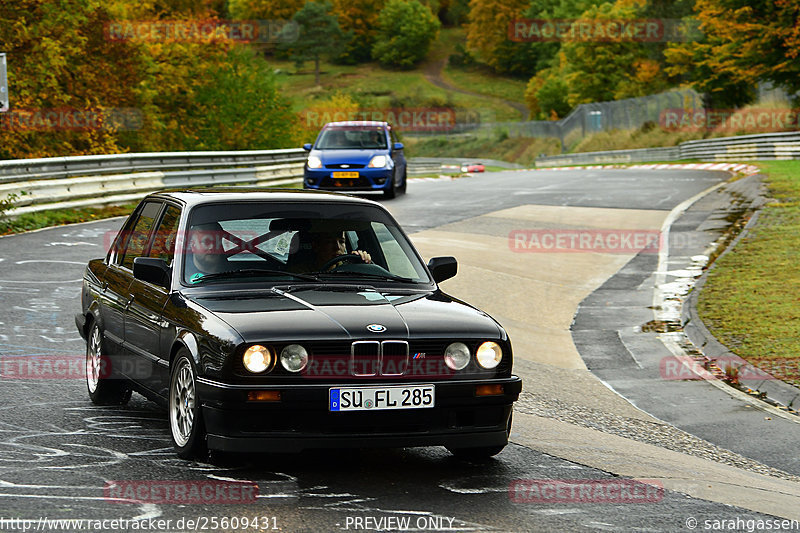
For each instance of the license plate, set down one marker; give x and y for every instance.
(345, 175)
(381, 398)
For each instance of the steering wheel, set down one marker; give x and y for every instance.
(347, 258)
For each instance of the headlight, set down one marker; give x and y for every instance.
(489, 355)
(379, 161)
(456, 356)
(294, 358)
(257, 359)
(314, 162)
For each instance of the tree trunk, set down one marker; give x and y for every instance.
(316, 70)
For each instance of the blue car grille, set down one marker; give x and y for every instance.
(358, 182)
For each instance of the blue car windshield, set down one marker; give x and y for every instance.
(353, 138)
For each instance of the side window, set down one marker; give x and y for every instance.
(140, 235)
(397, 261)
(164, 242)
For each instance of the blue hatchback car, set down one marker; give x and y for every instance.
(356, 156)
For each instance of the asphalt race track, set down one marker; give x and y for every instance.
(59, 454)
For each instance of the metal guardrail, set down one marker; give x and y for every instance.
(458, 161)
(642, 155)
(61, 182)
(745, 147)
(741, 148)
(80, 181)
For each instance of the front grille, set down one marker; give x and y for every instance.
(365, 358)
(394, 358)
(344, 166)
(373, 358)
(360, 182)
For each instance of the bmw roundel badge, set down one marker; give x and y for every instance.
(376, 328)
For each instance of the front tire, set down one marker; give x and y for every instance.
(185, 419)
(102, 390)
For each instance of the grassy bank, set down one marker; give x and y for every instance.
(375, 87)
(521, 150)
(751, 301)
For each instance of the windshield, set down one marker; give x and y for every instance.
(257, 242)
(358, 138)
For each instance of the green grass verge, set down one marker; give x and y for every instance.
(485, 81)
(751, 301)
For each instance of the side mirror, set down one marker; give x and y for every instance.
(152, 270)
(398, 146)
(307, 147)
(443, 268)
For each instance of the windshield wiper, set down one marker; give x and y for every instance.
(369, 275)
(328, 287)
(248, 272)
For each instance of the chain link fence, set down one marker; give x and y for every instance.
(585, 119)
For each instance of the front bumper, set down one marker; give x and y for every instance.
(369, 179)
(301, 420)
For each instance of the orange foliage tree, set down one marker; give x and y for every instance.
(746, 42)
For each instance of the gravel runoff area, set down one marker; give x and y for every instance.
(652, 431)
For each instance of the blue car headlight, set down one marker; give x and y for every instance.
(314, 162)
(378, 161)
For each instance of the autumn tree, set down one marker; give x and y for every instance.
(487, 35)
(546, 95)
(59, 60)
(264, 9)
(610, 67)
(183, 93)
(318, 35)
(239, 107)
(406, 31)
(746, 42)
(360, 19)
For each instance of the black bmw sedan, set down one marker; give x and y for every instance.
(278, 321)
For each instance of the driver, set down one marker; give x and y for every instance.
(325, 246)
(206, 253)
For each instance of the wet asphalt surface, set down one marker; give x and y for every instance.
(60, 455)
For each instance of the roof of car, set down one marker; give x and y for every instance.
(236, 194)
(356, 123)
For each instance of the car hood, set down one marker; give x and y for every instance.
(353, 157)
(344, 315)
